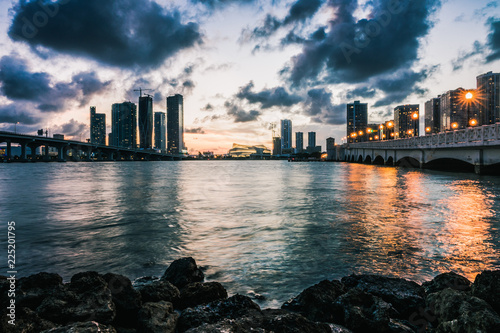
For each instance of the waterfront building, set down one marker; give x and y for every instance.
(488, 98)
(387, 130)
(406, 121)
(357, 120)
(146, 122)
(433, 116)
(276, 146)
(311, 143)
(456, 110)
(253, 152)
(124, 125)
(299, 142)
(286, 134)
(175, 124)
(160, 131)
(371, 133)
(97, 127)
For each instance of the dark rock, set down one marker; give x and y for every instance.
(86, 298)
(86, 327)
(280, 321)
(183, 271)
(487, 286)
(35, 288)
(160, 291)
(157, 318)
(405, 296)
(447, 280)
(315, 302)
(26, 320)
(126, 299)
(198, 293)
(232, 308)
(457, 311)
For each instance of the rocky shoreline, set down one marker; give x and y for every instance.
(181, 302)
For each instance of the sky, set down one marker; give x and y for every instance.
(240, 65)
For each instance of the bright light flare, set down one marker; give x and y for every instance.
(469, 95)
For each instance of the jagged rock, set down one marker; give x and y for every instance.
(183, 271)
(159, 291)
(487, 286)
(457, 311)
(86, 327)
(157, 318)
(126, 299)
(315, 302)
(405, 296)
(280, 321)
(86, 298)
(447, 280)
(198, 293)
(26, 321)
(35, 288)
(363, 312)
(234, 307)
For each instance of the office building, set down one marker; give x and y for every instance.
(488, 98)
(357, 120)
(406, 121)
(276, 146)
(175, 124)
(433, 116)
(299, 142)
(97, 127)
(331, 150)
(160, 131)
(124, 125)
(311, 143)
(456, 110)
(146, 122)
(286, 134)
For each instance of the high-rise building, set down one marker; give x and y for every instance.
(286, 134)
(406, 121)
(146, 122)
(160, 131)
(175, 124)
(488, 98)
(433, 116)
(330, 149)
(357, 120)
(456, 110)
(276, 146)
(299, 142)
(311, 139)
(97, 127)
(124, 124)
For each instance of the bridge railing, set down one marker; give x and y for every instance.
(472, 136)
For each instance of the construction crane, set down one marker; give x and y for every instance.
(273, 127)
(140, 90)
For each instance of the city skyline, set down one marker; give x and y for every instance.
(240, 74)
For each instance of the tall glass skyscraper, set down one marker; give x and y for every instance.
(357, 120)
(286, 134)
(488, 89)
(175, 124)
(146, 122)
(97, 127)
(299, 142)
(124, 125)
(160, 131)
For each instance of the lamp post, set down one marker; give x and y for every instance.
(468, 97)
(415, 122)
(390, 131)
(15, 127)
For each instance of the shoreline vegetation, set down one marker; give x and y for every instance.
(180, 301)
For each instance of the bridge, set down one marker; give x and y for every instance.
(475, 148)
(80, 151)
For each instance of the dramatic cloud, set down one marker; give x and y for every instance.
(71, 128)
(121, 33)
(268, 97)
(239, 115)
(319, 107)
(494, 40)
(197, 130)
(16, 113)
(221, 3)
(356, 50)
(18, 83)
(459, 62)
(363, 92)
(399, 86)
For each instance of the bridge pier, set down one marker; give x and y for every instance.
(478, 169)
(9, 150)
(46, 156)
(24, 157)
(60, 154)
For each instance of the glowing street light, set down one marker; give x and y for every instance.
(468, 97)
(454, 125)
(390, 124)
(427, 129)
(473, 122)
(415, 115)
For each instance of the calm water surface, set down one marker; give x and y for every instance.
(268, 227)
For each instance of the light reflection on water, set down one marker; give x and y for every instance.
(270, 227)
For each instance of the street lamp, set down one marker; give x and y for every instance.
(15, 127)
(415, 122)
(468, 98)
(454, 125)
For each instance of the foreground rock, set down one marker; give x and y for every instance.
(87, 327)
(487, 286)
(447, 280)
(183, 271)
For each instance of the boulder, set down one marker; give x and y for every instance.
(183, 271)
(85, 327)
(157, 318)
(159, 291)
(457, 311)
(405, 296)
(35, 288)
(27, 321)
(447, 280)
(126, 299)
(281, 321)
(316, 302)
(487, 286)
(198, 293)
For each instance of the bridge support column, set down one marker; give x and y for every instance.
(478, 169)
(24, 157)
(9, 150)
(89, 155)
(46, 156)
(60, 154)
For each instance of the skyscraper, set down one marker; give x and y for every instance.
(299, 142)
(146, 122)
(276, 146)
(357, 120)
(286, 134)
(160, 131)
(175, 124)
(311, 139)
(406, 121)
(124, 124)
(97, 127)
(433, 116)
(488, 90)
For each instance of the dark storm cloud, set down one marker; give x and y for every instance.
(221, 3)
(355, 50)
(399, 86)
(197, 130)
(363, 92)
(14, 113)
(71, 128)
(18, 83)
(494, 40)
(268, 97)
(239, 115)
(319, 107)
(121, 33)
